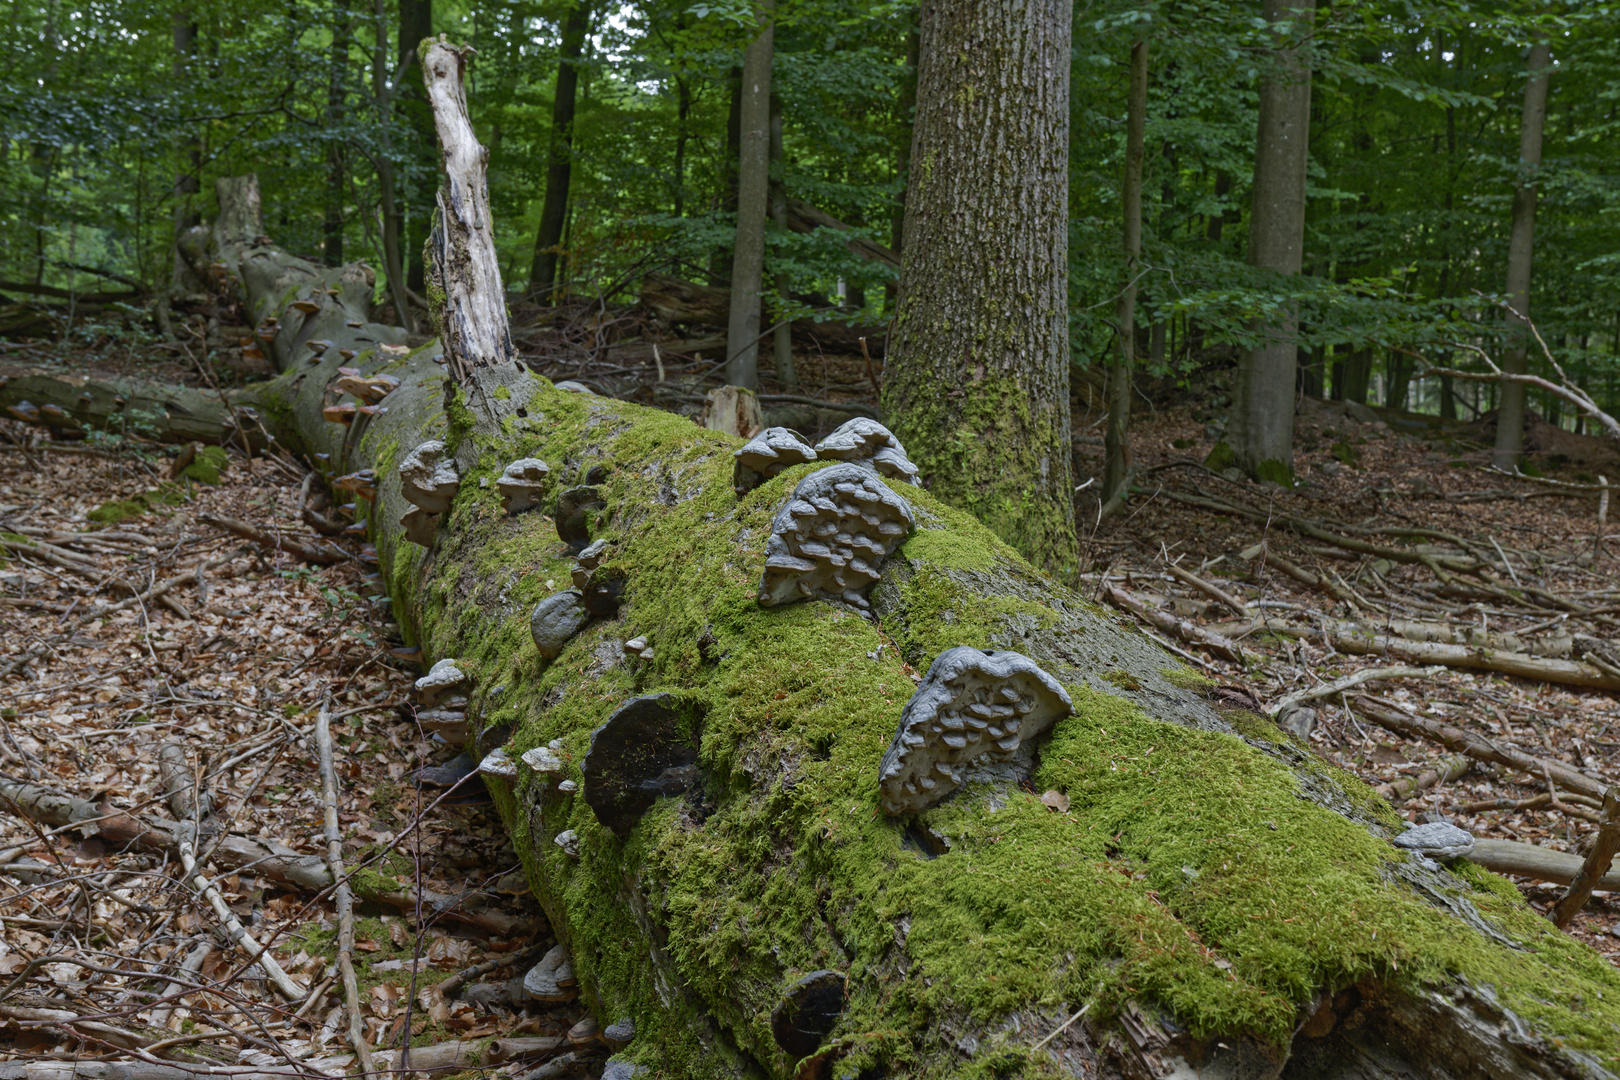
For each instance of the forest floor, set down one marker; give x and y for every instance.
(110, 654)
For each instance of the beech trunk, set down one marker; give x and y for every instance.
(977, 383)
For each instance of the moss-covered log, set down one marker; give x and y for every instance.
(1219, 900)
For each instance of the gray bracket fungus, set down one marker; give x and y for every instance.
(419, 526)
(974, 716)
(641, 752)
(767, 454)
(427, 478)
(555, 620)
(552, 979)
(831, 537)
(521, 483)
(867, 442)
(1437, 839)
(543, 759)
(441, 679)
(498, 763)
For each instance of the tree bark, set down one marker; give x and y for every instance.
(1117, 433)
(905, 109)
(416, 209)
(383, 99)
(560, 162)
(1521, 245)
(753, 199)
(977, 384)
(337, 93)
(1261, 429)
(782, 335)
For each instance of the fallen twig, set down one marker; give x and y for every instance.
(1366, 675)
(1604, 847)
(1189, 632)
(322, 554)
(344, 897)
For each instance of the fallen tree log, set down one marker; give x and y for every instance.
(1219, 901)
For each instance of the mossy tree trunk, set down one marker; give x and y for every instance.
(977, 380)
(1224, 902)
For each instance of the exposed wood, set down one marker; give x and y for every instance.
(1532, 861)
(1450, 769)
(308, 551)
(1187, 631)
(733, 410)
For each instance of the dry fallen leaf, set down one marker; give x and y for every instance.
(1056, 800)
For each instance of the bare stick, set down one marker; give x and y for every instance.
(344, 896)
(1282, 705)
(233, 927)
(1207, 640)
(1604, 847)
(324, 554)
(1211, 590)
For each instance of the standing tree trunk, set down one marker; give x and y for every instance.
(905, 109)
(1117, 434)
(336, 158)
(560, 162)
(1260, 432)
(415, 211)
(753, 198)
(782, 336)
(977, 380)
(383, 99)
(1521, 245)
(186, 181)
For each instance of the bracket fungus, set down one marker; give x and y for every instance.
(428, 477)
(342, 413)
(1436, 839)
(555, 620)
(520, 484)
(808, 1012)
(767, 454)
(441, 679)
(831, 537)
(552, 979)
(643, 751)
(498, 763)
(574, 509)
(318, 345)
(867, 442)
(974, 717)
(419, 526)
(304, 307)
(368, 390)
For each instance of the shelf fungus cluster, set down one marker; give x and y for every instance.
(831, 537)
(975, 716)
(767, 454)
(370, 390)
(429, 482)
(867, 442)
(521, 484)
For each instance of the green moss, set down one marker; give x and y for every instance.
(1272, 471)
(1188, 873)
(502, 393)
(1220, 458)
(1123, 679)
(207, 466)
(110, 513)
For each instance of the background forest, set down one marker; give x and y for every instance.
(118, 116)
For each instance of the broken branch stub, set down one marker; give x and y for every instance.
(866, 442)
(476, 332)
(975, 717)
(831, 537)
(767, 454)
(643, 751)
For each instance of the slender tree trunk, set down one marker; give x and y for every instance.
(383, 96)
(977, 381)
(336, 154)
(720, 257)
(1116, 434)
(559, 167)
(753, 198)
(415, 211)
(683, 113)
(187, 177)
(1261, 429)
(905, 116)
(782, 335)
(1521, 244)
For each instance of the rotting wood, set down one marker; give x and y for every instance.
(1534, 861)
